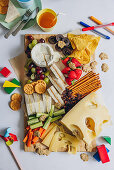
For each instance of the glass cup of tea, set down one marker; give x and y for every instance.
(25, 3)
(46, 19)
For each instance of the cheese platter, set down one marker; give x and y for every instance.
(58, 76)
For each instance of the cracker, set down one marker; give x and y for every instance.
(16, 96)
(4, 2)
(42, 82)
(15, 105)
(29, 89)
(3, 9)
(40, 88)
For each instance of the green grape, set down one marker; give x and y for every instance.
(32, 76)
(30, 46)
(34, 42)
(29, 81)
(33, 70)
(46, 80)
(46, 73)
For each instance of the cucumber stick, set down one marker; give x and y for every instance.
(36, 125)
(47, 123)
(51, 111)
(32, 116)
(59, 112)
(56, 118)
(41, 114)
(32, 121)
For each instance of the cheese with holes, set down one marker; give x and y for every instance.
(86, 118)
(62, 142)
(48, 130)
(12, 13)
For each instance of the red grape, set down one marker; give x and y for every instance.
(42, 76)
(30, 38)
(41, 40)
(39, 71)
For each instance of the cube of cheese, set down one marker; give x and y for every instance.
(86, 118)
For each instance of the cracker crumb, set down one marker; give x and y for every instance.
(72, 66)
(93, 64)
(103, 56)
(104, 67)
(86, 68)
(84, 156)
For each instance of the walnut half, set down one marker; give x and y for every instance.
(104, 67)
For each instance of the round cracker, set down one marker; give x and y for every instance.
(29, 89)
(40, 88)
(4, 2)
(42, 82)
(3, 9)
(16, 96)
(15, 105)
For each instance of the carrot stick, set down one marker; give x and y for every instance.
(43, 132)
(35, 139)
(29, 138)
(25, 139)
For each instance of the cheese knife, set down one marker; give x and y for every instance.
(24, 18)
(25, 22)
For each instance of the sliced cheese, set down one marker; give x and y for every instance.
(38, 103)
(12, 13)
(48, 130)
(29, 100)
(48, 138)
(64, 142)
(46, 102)
(86, 118)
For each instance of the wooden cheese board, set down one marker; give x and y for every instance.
(18, 66)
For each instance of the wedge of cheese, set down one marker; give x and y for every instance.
(12, 13)
(48, 138)
(64, 142)
(48, 130)
(86, 118)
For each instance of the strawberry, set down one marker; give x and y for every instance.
(68, 80)
(76, 62)
(78, 73)
(66, 70)
(72, 75)
(65, 60)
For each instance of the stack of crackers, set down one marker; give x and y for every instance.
(38, 87)
(4, 6)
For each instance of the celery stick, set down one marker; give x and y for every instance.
(55, 118)
(59, 112)
(32, 121)
(41, 114)
(36, 125)
(32, 116)
(51, 111)
(47, 123)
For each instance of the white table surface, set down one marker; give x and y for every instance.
(77, 10)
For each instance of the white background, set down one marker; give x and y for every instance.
(77, 10)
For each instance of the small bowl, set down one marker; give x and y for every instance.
(40, 13)
(25, 4)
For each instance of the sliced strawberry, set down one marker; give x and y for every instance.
(66, 70)
(64, 61)
(78, 73)
(69, 81)
(72, 75)
(76, 62)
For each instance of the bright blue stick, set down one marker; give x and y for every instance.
(95, 31)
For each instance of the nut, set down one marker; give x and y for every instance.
(86, 68)
(72, 66)
(104, 67)
(42, 118)
(93, 64)
(61, 44)
(103, 56)
(84, 156)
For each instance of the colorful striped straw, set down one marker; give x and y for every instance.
(100, 23)
(95, 31)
